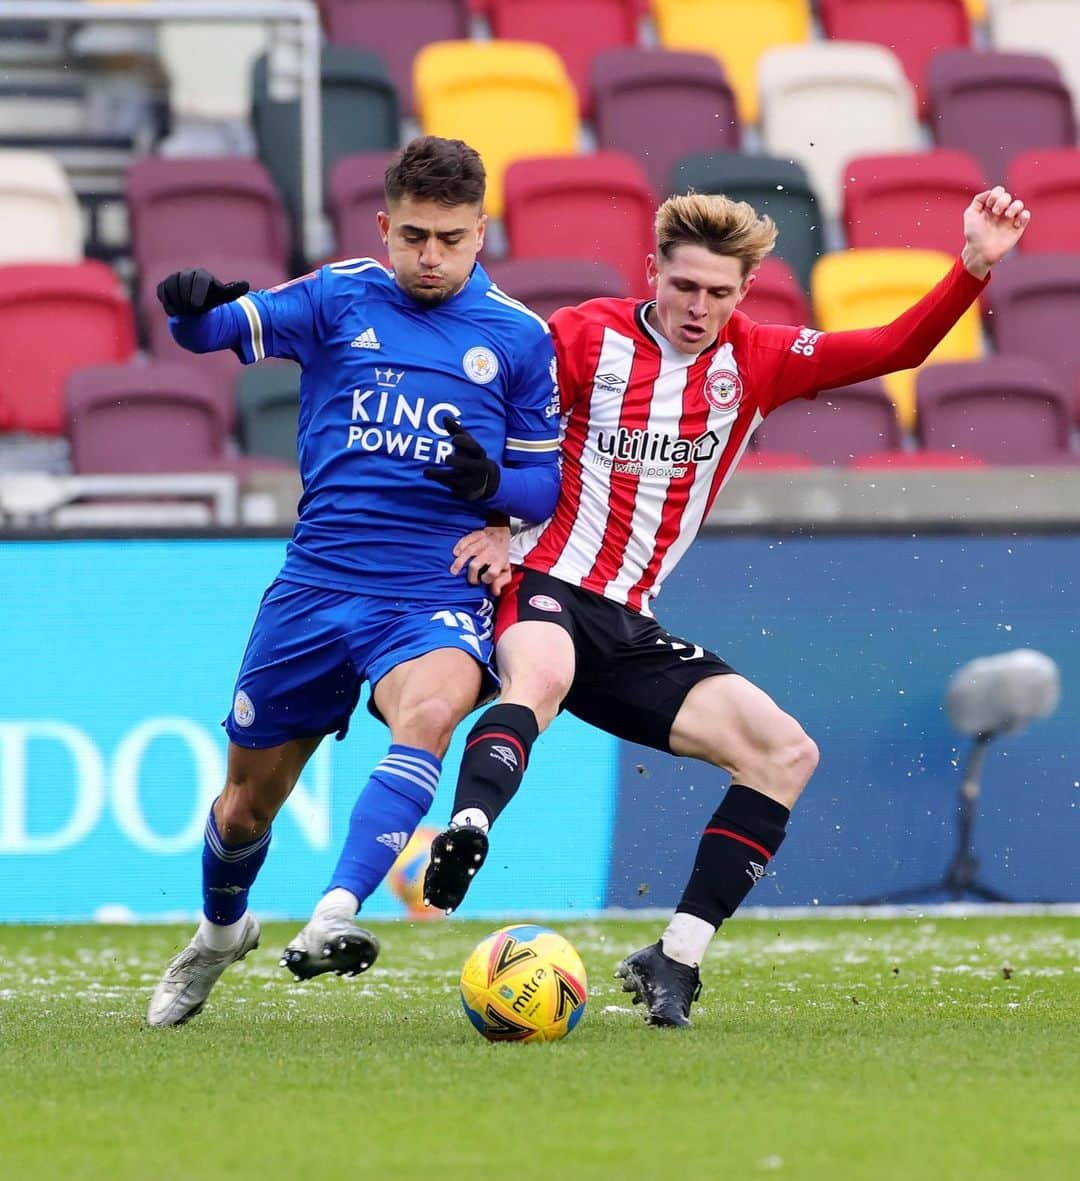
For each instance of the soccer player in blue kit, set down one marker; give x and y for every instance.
(413, 377)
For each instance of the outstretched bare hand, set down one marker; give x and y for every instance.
(993, 223)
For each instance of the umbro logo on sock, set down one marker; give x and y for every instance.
(367, 340)
(393, 840)
(754, 871)
(506, 755)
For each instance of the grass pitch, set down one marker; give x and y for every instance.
(822, 1049)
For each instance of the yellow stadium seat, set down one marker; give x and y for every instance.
(867, 288)
(976, 10)
(508, 99)
(736, 32)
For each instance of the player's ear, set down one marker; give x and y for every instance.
(481, 230)
(652, 269)
(383, 218)
(747, 283)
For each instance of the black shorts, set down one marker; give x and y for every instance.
(632, 676)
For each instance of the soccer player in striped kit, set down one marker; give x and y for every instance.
(659, 401)
(412, 377)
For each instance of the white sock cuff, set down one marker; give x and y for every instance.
(687, 938)
(474, 816)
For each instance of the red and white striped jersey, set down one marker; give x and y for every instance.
(650, 435)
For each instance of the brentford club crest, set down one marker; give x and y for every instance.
(723, 389)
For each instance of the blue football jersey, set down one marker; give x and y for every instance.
(380, 371)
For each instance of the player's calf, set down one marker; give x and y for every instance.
(457, 854)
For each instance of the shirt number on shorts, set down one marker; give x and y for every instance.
(464, 624)
(685, 651)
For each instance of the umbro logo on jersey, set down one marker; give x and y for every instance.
(611, 382)
(393, 840)
(367, 340)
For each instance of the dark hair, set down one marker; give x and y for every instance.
(434, 169)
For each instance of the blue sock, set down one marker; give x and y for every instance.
(228, 873)
(394, 801)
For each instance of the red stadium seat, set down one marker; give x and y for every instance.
(662, 104)
(596, 207)
(836, 426)
(204, 211)
(913, 29)
(545, 284)
(395, 30)
(915, 460)
(774, 461)
(55, 318)
(1004, 410)
(1048, 179)
(910, 199)
(995, 105)
(775, 296)
(355, 194)
(1035, 302)
(131, 418)
(576, 29)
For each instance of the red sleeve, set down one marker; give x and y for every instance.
(567, 326)
(804, 361)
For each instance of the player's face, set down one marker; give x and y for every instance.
(432, 247)
(696, 292)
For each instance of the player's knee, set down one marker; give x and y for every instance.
(546, 684)
(427, 723)
(241, 814)
(793, 760)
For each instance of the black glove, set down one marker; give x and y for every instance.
(468, 472)
(190, 293)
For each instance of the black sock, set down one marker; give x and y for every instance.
(739, 841)
(496, 755)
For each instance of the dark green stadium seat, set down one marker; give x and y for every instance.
(267, 401)
(360, 113)
(777, 187)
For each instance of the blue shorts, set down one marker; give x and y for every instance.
(311, 649)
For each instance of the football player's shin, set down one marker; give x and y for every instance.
(496, 755)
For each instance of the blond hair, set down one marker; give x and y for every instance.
(721, 225)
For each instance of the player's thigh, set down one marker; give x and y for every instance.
(534, 632)
(730, 722)
(297, 679)
(423, 699)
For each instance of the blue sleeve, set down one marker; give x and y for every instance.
(528, 492)
(284, 321)
(532, 405)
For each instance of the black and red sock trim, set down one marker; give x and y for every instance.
(496, 754)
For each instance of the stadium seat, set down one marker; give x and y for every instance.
(55, 318)
(354, 196)
(396, 31)
(778, 187)
(915, 461)
(736, 32)
(1035, 302)
(154, 417)
(1048, 179)
(596, 207)
(775, 296)
(576, 29)
(508, 99)
(1048, 27)
(661, 104)
(204, 210)
(267, 408)
(360, 113)
(835, 427)
(545, 284)
(913, 29)
(774, 461)
(1004, 410)
(994, 105)
(822, 104)
(39, 215)
(867, 288)
(219, 369)
(910, 199)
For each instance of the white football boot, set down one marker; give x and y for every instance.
(330, 943)
(191, 974)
